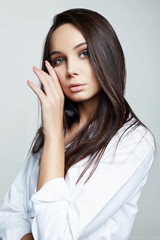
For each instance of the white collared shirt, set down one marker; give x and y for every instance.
(102, 209)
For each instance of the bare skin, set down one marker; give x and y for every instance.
(71, 65)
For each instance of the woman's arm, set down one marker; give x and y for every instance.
(13, 213)
(52, 159)
(28, 236)
(52, 105)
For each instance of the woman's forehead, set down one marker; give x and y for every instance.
(66, 35)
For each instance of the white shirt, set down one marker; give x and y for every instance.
(102, 209)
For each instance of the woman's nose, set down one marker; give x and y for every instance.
(71, 70)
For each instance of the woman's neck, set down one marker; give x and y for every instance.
(87, 109)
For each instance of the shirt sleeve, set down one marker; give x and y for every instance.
(57, 214)
(13, 220)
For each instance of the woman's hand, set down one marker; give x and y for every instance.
(52, 101)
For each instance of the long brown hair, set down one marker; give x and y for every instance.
(107, 59)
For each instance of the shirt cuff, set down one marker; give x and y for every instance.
(55, 190)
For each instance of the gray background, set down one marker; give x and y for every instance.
(23, 27)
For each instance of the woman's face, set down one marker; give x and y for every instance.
(70, 60)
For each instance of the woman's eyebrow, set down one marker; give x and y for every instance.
(77, 46)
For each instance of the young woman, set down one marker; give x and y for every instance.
(91, 155)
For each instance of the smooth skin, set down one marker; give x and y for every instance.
(70, 64)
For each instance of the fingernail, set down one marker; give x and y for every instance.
(47, 63)
(35, 68)
(28, 82)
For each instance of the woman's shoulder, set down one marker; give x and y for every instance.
(132, 140)
(132, 131)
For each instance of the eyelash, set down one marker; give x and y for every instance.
(54, 62)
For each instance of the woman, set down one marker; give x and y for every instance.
(92, 155)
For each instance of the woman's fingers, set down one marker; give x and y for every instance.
(51, 101)
(49, 85)
(45, 82)
(40, 94)
(54, 77)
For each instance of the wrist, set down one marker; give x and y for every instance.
(54, 137)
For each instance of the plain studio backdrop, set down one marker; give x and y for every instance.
(24, 25)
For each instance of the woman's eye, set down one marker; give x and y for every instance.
(85, 54)
(57, 61)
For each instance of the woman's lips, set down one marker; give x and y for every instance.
(76, 87)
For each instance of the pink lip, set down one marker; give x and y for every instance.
(75, 84)
(76, 87)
